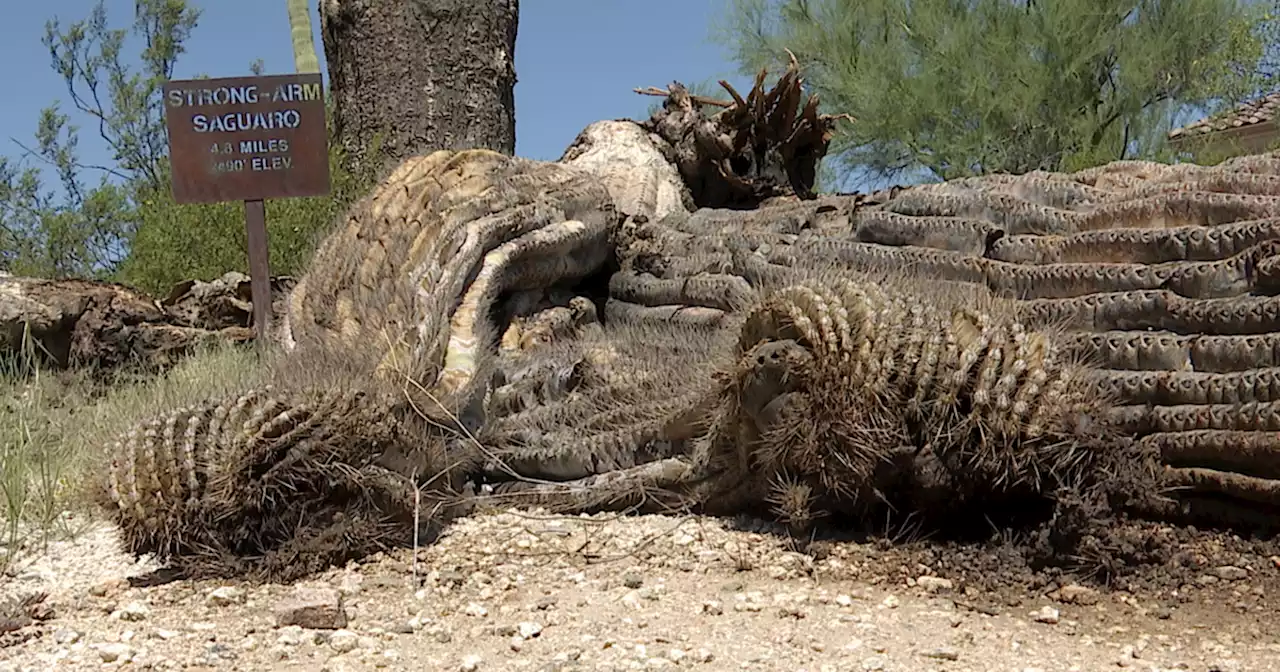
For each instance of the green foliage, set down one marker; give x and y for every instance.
(202, 241)
(961, 88)
(55, 427)
(125, 226)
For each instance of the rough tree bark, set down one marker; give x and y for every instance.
(421, 75)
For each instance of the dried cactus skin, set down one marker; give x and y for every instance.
(851, 395)
(1137, 245)
(418, 263)
(1166, 351)
(217, 489)
(1163, 278)
(957, 346)
(400, 300)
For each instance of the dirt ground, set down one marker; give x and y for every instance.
(524, 591)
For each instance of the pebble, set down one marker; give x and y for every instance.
(343, 641)
(134, 611)
(1047, 615)
(934, 584)
(115, 653)
(1230, 573)
(1077, 594)
(225, 596)
(314, 608)
(943, 653)
(632, 600)
(529, 629)
(290, 635)
(470, 663)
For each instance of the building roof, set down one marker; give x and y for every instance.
(1246, 114)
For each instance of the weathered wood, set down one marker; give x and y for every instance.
(77, 323)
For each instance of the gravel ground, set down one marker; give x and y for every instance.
(525, 591)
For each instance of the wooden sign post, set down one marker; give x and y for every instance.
(248, 139)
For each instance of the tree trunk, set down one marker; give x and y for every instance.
(420, 75)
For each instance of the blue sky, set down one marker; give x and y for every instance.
(577, 61)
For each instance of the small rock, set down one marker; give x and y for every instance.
(891, 602)
(712, 607)
(134, 611)
(225, 596)
(66, 636)
(351, 584)
(1230, 573)
(632, 599)
(528, 629)
(343, 641)
(440, 634)
(704, 655)
(633, 581)
(108, 587)
(943, 653)
(290, 635)
(470, 663)
(115, 653)
(476, 610)
(1047, 615)
(1077, 594)
(218, 651)
(934, 584)
(875, 664)
(314, 608)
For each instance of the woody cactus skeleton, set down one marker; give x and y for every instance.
(577, 335)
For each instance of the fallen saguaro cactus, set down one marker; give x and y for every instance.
(575, 334)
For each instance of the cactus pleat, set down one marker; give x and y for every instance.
(1143, 246)
(956, 346)
(401, 272)
(233, 484)
(1161, 278)
(850, 394)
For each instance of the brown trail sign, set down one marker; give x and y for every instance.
(248, 139)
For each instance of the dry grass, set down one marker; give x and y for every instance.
(55, 427)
